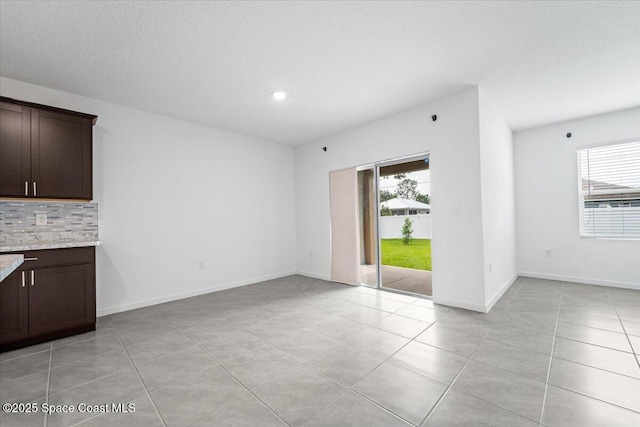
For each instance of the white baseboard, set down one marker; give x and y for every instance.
(585, 280)
(501, 292)
(182, 295)
(314, 275)
(324, 277)
(460, 304)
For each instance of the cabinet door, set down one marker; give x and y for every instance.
(14, 307)
(61, 155)
(61, 298)
(15, 150)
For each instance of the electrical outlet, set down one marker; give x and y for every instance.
(41, 219)
(490, 268)
(548, 253)
(201, 265)
(310, 254)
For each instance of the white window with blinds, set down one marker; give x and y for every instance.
(609, 191)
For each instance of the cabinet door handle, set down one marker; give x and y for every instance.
(35, 193)
(31, 259)
(23, 280)
(26, 188)
(33, 277)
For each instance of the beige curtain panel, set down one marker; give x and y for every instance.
(345, 256)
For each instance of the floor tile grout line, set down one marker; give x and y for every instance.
(365, 325)
(358, 287)
(551, 357)
(596, 398)
(592, 327)
(633, 350)
(553, 347)
(228, 373)
(573, 322)
(460, 373)
(83, 340)
(328, 404)
(398, 350)
(86, 382)
(595, 345)
(80, 359)
(527, 376)
(570, 339)
(85, 421)
(52, 348)
(46, 397)
(357, 393)
(496, 406)
(135, 368)
(24, 355)
(349, 388)
(22, 376)
(91, 418)
(450, 386)
(340, 342)
(601, 369)
(410, 340)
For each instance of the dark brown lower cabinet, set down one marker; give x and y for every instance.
(14, 308)
(52, 295)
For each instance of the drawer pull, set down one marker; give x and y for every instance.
(23, 279)
(33, 277)
(30, 259)
(26, 188)
(35, 193)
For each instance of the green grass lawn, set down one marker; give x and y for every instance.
(416, 254)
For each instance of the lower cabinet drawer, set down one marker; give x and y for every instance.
(56, 257)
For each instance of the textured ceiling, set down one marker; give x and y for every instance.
(344, 63)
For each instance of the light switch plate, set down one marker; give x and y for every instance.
(41, 219)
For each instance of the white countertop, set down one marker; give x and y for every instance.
(50, 245)
(8, 263)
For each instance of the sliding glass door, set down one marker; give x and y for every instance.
(394, 225)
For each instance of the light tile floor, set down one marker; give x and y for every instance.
(300, 351)
(399, 278)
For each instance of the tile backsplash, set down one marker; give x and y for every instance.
(66, 221)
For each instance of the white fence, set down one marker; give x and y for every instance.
(611, 221)
(391, 226)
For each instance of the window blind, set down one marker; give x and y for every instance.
(609, 191)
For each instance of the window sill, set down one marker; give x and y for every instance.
(634, 238)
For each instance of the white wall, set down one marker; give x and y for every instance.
(453, 143)
(498, 201)
(391, 226)
(170, 193)
(547, 204)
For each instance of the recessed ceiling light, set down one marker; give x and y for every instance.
(279, 95)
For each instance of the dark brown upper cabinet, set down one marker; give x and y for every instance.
(45, 152)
